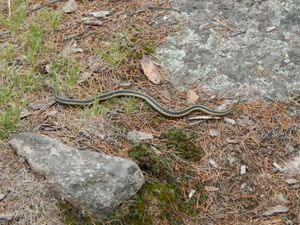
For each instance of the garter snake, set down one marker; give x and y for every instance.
(147, 98)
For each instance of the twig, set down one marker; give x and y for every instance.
(42, 6)
(201, 118)
(9, 8)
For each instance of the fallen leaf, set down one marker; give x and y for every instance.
(276, 209)
(150, 70)
(192, 97)
(70, 6)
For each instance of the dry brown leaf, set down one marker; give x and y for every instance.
(150, 70)
(192, 97)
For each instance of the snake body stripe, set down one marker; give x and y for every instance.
(150, 100)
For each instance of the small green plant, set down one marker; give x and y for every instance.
(64, 73)
(102, 108)
(18, 17)
(50, 19)
(8, 53)
(34, 40)
(130, 104)
(9, 121)
(115, 54)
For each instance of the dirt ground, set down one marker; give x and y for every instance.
(108, 57)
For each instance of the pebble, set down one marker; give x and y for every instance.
(5, 217)
(229, 121)
(291, 181)
(212, 163)
(232, 159)
(191, 194)
(2, 196)
(134, 136)
(214, 132)
(243, 169)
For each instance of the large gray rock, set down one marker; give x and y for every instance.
(228, 47)
(89, 180)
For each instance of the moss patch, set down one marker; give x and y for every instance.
(184, 143)
(73, 216)
(150, 162)
(157, 203)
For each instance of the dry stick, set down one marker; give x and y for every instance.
(9, 8)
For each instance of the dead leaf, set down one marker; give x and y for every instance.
(192, 97)
(150, 70)
(70, 6)
(276, 209)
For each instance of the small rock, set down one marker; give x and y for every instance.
(281, 198)
(24, 113)
(245, 120)
(89, 180)
(92, 22)
(212, 163)
(191, 194)
(229, 121)
(125, 84)
(100, 14)
(5, 217)
(291, 181)
(243, 186)
(293, 166)
(243, 169)
(232, 159)
(232, 141)
(51, 113)
(48, 68)
(277, 167)
(36, 106)
(134, 136)
(287, 221)
(214, 132)
(70, 6)
(224, 106)
(276, 209)
(2, 196)
(211, 188)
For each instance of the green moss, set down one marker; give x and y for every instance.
(157, 120)
(156, 203)
(150, 162)
(184, 143)
(250, 204)
(73, 216)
